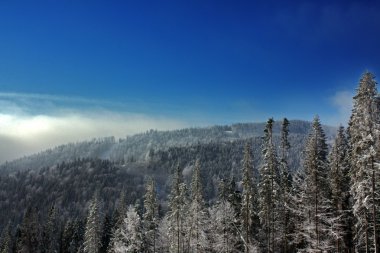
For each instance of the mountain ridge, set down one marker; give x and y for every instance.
(139, 147)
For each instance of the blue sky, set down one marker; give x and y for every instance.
(183, 63)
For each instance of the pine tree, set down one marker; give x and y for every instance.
(118, 218)
(163, 239)
(150, 217)
(92, 235)
(364, 155)
(316, 195)
(286, 227)
(340, 183)
(6, 240)
(197, 218)
(269, 191)
(120, 211)
(128, 237)
(133, 232)
(50, 233)
(225, 236)
(29, 234)
(248, 199)
(67, 235)
(106, 233)
(177, 212)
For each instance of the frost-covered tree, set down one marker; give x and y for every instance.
(340, 186)
(6, 240)
(129, 235)
(92, 236)
(106, 233)
(248, 211)
(197, 221)
(50, 233)
(120, 211)
(150, 217)
(163, 235)
(285, 201)
(297, 209)
(269, 191)
(29, 233)
(316, 196)
(364, 156)
(177, 213)
(224, 236)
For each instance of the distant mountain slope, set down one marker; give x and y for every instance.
(139, 146)
(69, 182)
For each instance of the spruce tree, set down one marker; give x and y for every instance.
(317, 193)
(198, 217)
(248, 199)
(92, 235)
(177, 212)
(29, 239)
(285, 204)
(269, 190)
(364, 156)
(133, 232)
(6, 240)
(150, 217)
(106, 233)
(50, 233)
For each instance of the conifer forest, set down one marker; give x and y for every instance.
(285, 186)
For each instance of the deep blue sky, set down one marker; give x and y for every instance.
(204, 62)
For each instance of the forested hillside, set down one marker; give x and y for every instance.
(294, 187)
(138, 147)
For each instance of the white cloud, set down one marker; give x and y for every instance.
(342, 101)
(24, 130)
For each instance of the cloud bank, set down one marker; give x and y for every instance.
(30, 123)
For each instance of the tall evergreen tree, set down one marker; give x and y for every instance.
(317, 193)
(128, 237)
(286, 227)
(29, 236)
(106, 233)
(6, 240)
(198, 217)
(119, 215)
(340, 184)
(364, 144)
(92, 235)
(50, 233)
(249, 197)
(150, 217)
(269, 191)
(223, 237)
(177, 212)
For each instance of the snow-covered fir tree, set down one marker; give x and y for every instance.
(129, 234)
(248, 211)
(224, 235)
(29, 233)
(364, 156)
(6, 240)
(197, 222)
(177, 214)
(316, 196)
(163, 235)
(269, 192)
(92, 235)
(50, 242)
(285, 210)
(150, 217)
(340, 184)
